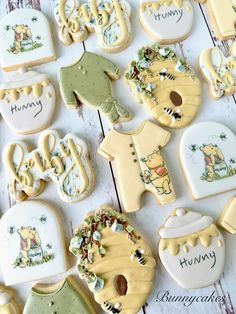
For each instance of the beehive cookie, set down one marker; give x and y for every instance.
(166, 85)
(191, 249)
(114, 260)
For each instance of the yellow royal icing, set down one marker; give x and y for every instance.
(155, 5)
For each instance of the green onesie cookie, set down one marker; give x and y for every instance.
(88, 81)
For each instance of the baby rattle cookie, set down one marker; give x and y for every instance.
(7, 302)
(166, 85)
(208, 158)
(27, 102)
(223, 17)
(65, 161)
(140, 164)
(109, 19)
(113, 258)
(219, 71)
(32, 243)
(166, 21)
(60, 298)
(25, 39)
(88, 81)
(191, 249)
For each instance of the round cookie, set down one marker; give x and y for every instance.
(166, 21)
(166, 85)
(114, 260)
(7, 303)
(191, 249)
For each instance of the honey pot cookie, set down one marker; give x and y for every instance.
(114, 260)
(191, 249)
(7, 302)
(166, 85)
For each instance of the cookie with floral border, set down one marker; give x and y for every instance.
(208, 158)
(32, 243)
(7, 302)
(114, 260)
(191, 249)
(25, 39)
(65, 161)
(167, 21)
(166, 84)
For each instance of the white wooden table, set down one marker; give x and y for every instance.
(91, 126)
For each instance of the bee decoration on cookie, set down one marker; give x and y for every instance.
(112, 309)
(175, 115)
(139, 255)
(166, 76)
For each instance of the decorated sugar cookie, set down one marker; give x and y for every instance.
(65, 161)
(140, 164)
(32, 243)
(166, 85)
(191, 249)
(60, 298)
(109, 19)
(114, 260)
(88, 81)
(223, 17)
(219, 71)
(7, 302)
(167, 21)
(227, 219)
(27, 102)
(208, 158)
(25, 39)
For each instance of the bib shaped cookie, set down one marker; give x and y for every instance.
(192, 249)
(208, 158)
(25, 39)
(166, 85)
(27, 102)
(114, 260)
(32, 243)
(167, 21)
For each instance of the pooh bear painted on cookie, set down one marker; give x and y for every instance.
(23, 37)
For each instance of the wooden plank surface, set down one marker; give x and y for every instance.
(91, 126)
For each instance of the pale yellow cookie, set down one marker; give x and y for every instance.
(7, 303)
(227, 219)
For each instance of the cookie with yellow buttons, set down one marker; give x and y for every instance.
(115, 261)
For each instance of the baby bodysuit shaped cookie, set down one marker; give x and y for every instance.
(27, 102)
(219, 71)
(191, 249)
(109, 19)
(32, 243)
(88, 81)
(7, 302)
(25, 39)
(114, 260)
(140, 165)
(60, 298)
(167, 21)
(208, 158)
(65, 161)
(166, 85)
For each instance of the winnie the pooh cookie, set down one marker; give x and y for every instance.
(140, 164)
(166, 85)
(7, 302)
(114, 260)
(32, 243)
(60, 298)
(109, 19)
(88, 81)
(208, 159)
(65, 161)
(191, 249)
(25, 39)
(219, 71)
(223, 17)
(27, 102)
(166, 21)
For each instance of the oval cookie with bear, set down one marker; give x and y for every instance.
(114, 260)
(166, 85)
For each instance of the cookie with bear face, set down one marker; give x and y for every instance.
(166, 85)
(114, 260)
